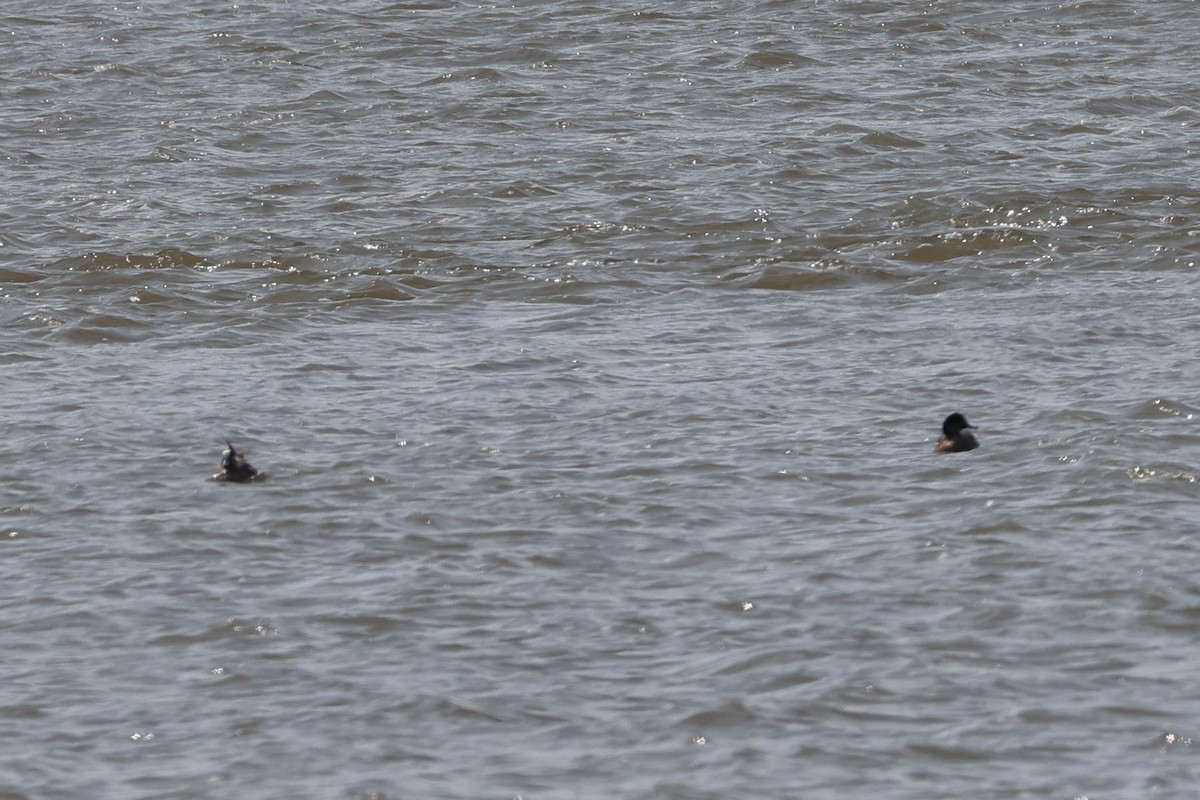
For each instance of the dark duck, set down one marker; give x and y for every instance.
(234, 467)
(956, 438)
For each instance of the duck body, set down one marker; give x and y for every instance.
(234, 467)
(956, 438)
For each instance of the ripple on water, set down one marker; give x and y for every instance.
(596, 355)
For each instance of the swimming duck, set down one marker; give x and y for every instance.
(955, 436)
(234, 467)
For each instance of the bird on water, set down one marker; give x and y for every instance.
(234, 467)
(955, 437)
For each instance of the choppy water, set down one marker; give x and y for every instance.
(595, 354)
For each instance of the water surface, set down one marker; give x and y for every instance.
(594, 355)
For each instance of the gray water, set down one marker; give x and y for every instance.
(594, 356)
